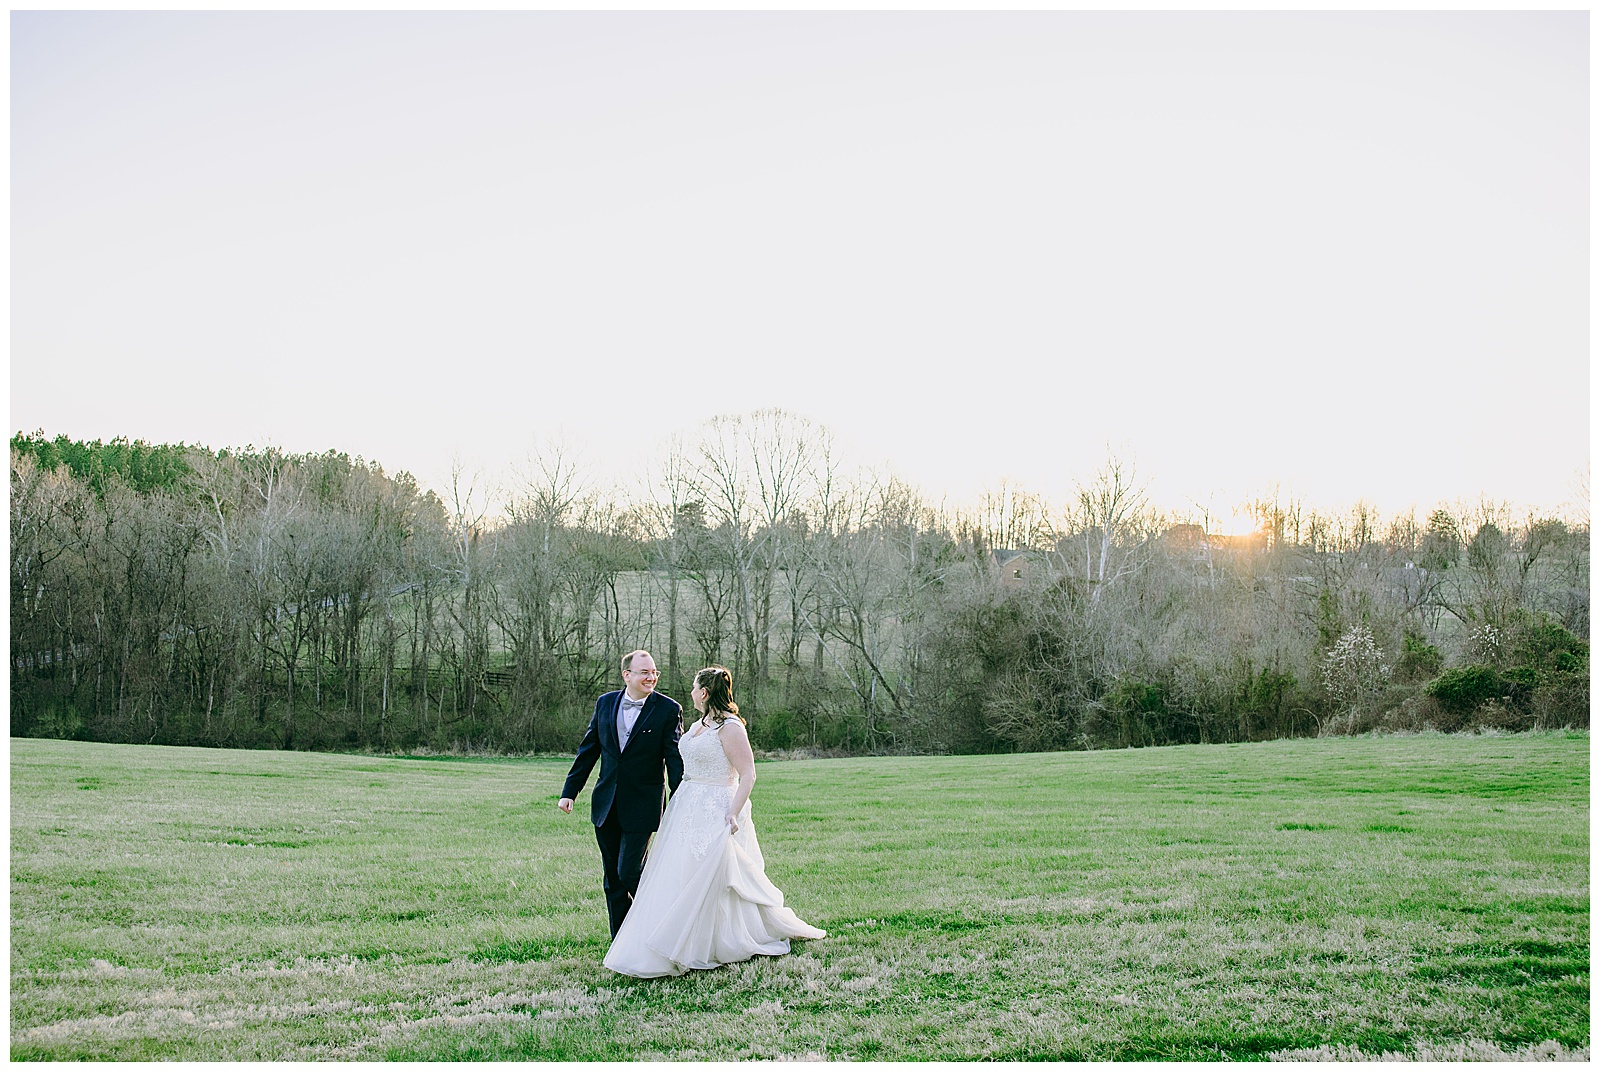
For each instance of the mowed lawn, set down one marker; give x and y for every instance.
(1426, 895)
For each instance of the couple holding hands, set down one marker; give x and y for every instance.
(701, 898)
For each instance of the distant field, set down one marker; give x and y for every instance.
(1313, 897)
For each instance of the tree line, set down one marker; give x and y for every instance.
(255, 598)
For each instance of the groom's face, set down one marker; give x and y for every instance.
(641, 675)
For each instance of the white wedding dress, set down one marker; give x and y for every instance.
(704, 898)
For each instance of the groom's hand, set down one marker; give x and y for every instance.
(565, 804)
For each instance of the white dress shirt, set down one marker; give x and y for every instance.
(627, 715)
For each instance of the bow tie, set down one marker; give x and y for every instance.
(633, 703)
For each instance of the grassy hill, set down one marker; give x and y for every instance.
(1423, 894)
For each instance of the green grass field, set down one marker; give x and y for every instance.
(1426, 895)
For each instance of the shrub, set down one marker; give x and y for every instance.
(1487, 644)
(774, 730)
(1549, 651)
(1507, 718)
(1464, 689)
(1023, 710)
(1562, 704)
(1553, 673)
(1419, 660)
(1355, 671)
(1144, 714)
(1268, 698)
(1423, 712)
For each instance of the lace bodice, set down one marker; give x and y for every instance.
(709, 783)
(704, 760)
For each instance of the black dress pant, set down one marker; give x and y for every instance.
(622, 851)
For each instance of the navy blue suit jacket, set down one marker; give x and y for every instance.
(630, 778)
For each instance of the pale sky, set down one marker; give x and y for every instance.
(1344, 253)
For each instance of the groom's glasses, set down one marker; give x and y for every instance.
(645, 673)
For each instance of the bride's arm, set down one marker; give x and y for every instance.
(736, 746)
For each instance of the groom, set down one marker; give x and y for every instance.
(634, 734)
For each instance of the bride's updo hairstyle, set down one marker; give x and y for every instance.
(718, 683)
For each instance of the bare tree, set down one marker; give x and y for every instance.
(1114, 525)
(1010, 518)
(755, 473)
(673, 519)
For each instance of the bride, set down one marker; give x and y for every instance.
(704, 898)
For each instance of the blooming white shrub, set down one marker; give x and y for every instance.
(1355, 669)
(1486, 644)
